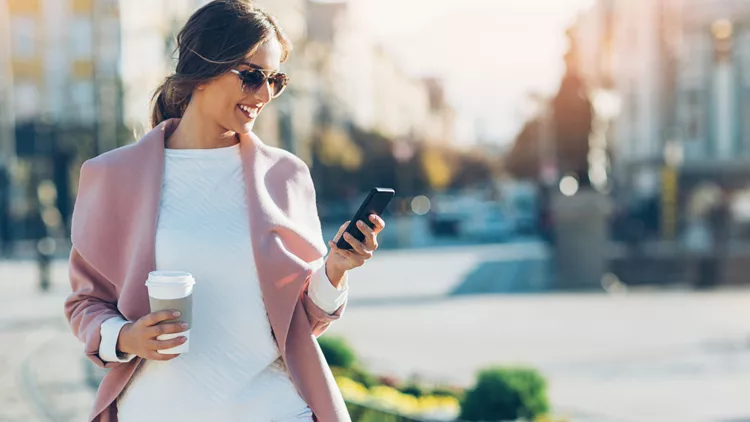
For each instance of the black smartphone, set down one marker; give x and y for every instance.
(375, 203)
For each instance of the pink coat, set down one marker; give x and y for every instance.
(113, 231)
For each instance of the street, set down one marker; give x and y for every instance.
(42, 372)
(645, 356)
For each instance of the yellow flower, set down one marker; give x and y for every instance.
(388, 398)
(352, 390)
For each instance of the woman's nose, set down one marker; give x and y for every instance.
(264, 94)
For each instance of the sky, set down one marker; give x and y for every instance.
(491, 53)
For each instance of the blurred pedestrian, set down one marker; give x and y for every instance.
(5, 240)
(201, 193)
(720, 222)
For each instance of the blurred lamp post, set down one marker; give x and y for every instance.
(673, 157)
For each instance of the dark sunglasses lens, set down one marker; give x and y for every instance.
(253, 79)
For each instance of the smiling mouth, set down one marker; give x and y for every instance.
(249, 112)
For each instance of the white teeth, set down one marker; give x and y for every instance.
(251, 112)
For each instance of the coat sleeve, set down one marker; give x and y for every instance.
(319, 319)
(93, 299)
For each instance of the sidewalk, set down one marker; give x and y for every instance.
(41, 362)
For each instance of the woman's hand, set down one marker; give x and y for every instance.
(341, 260)
(139, 338)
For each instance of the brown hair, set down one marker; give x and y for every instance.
(215, 40)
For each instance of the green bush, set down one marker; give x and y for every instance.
(413, 389)
(337, 352)
(447, 391)
(362, 376)
(506, 394)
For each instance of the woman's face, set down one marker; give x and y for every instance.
(223, 99)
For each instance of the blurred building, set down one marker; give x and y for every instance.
(441, 124)
(366, 84)
(714, 80)
(622, 50)
(287, 121)
(679, 68)
(79, 75)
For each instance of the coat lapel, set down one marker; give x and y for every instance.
(147, 182)
(283, 252)
(117, 234)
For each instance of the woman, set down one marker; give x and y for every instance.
(200, 193)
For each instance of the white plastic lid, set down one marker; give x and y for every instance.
(172, 278)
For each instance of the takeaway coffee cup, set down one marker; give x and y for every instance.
(169, 290)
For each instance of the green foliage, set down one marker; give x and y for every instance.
(362, 376)
(506, 394)
(413, 389)
(454, 392)
(337, 352)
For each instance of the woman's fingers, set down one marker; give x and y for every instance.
(371, 240)
(358, 246)
(156, 317)
(351, 256)
(166, 344)
(379, 223)
(154, 355)
(168, 328)
(340, 232)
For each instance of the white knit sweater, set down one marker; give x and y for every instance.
(232, 371)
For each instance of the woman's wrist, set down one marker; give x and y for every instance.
(122, 343)
(335, 274)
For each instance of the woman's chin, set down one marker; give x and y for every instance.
(245, 127)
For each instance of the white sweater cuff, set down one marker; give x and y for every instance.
(110, 331)
(324, 295)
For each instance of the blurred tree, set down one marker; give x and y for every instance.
(346, 164)
(523, 161)
(437, 169)
(337, 149)
(475, 168)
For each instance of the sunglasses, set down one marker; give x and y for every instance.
(254, 79)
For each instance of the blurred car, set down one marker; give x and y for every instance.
(447, 214)
(488, 223)
(636, 221)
